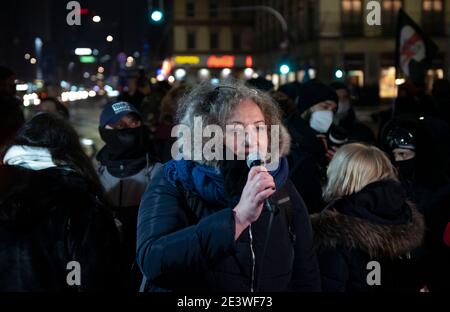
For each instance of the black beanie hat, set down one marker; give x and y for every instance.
(337, 85)
(291, 90)
(260, 83)
(314, 92)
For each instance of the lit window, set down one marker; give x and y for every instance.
(390, 13)
(433, 17)
(388, 88)
(352, 17)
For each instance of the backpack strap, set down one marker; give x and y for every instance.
(283, 204)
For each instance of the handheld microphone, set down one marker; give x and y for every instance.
(254, 160)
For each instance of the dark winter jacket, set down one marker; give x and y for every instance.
(375, 224)
(306, 162)
(357, 131)
(437, 252)
(48, 219)
(11, 119)
(124, 182)
(177, 251)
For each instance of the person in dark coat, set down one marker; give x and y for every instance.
(126, 166)
(11, 114)
(421, 164)
(201, 224)
(137, 88)
(53, 106)
(304, 171)
(437, 242)
(309, 128)
(366, 233)
(7, 82)
(56, 232)
(346, 117)
(162, 134)
(441, 98)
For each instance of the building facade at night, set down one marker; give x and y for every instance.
(211, 39)
(330, 36)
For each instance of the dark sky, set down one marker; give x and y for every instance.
(22, 21)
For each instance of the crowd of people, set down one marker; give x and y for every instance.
(342, 196)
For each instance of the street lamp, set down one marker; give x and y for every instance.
(109, 38)
(96, 19)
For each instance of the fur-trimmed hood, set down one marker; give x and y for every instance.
(335, 228)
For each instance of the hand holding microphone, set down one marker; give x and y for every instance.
(259, 187)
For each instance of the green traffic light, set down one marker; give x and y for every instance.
(339, 74)
(285, 69)
(157, 16)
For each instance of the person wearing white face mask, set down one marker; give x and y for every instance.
(308, 127)
(322, 116)
(318, 104)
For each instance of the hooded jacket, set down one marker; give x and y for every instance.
(375, 224)
(180, 250)
(48, 219)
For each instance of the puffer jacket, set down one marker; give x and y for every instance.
(178, 251)
(48, 219)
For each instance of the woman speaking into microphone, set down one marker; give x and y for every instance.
(203, 225)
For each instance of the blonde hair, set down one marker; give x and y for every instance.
(355, 166)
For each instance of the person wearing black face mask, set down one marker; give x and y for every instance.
(403, 149)
(125, 168)
(417, 155)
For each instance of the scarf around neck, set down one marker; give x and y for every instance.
(208, 182)
(30, 157)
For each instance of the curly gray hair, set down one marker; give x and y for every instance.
(215, 104)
